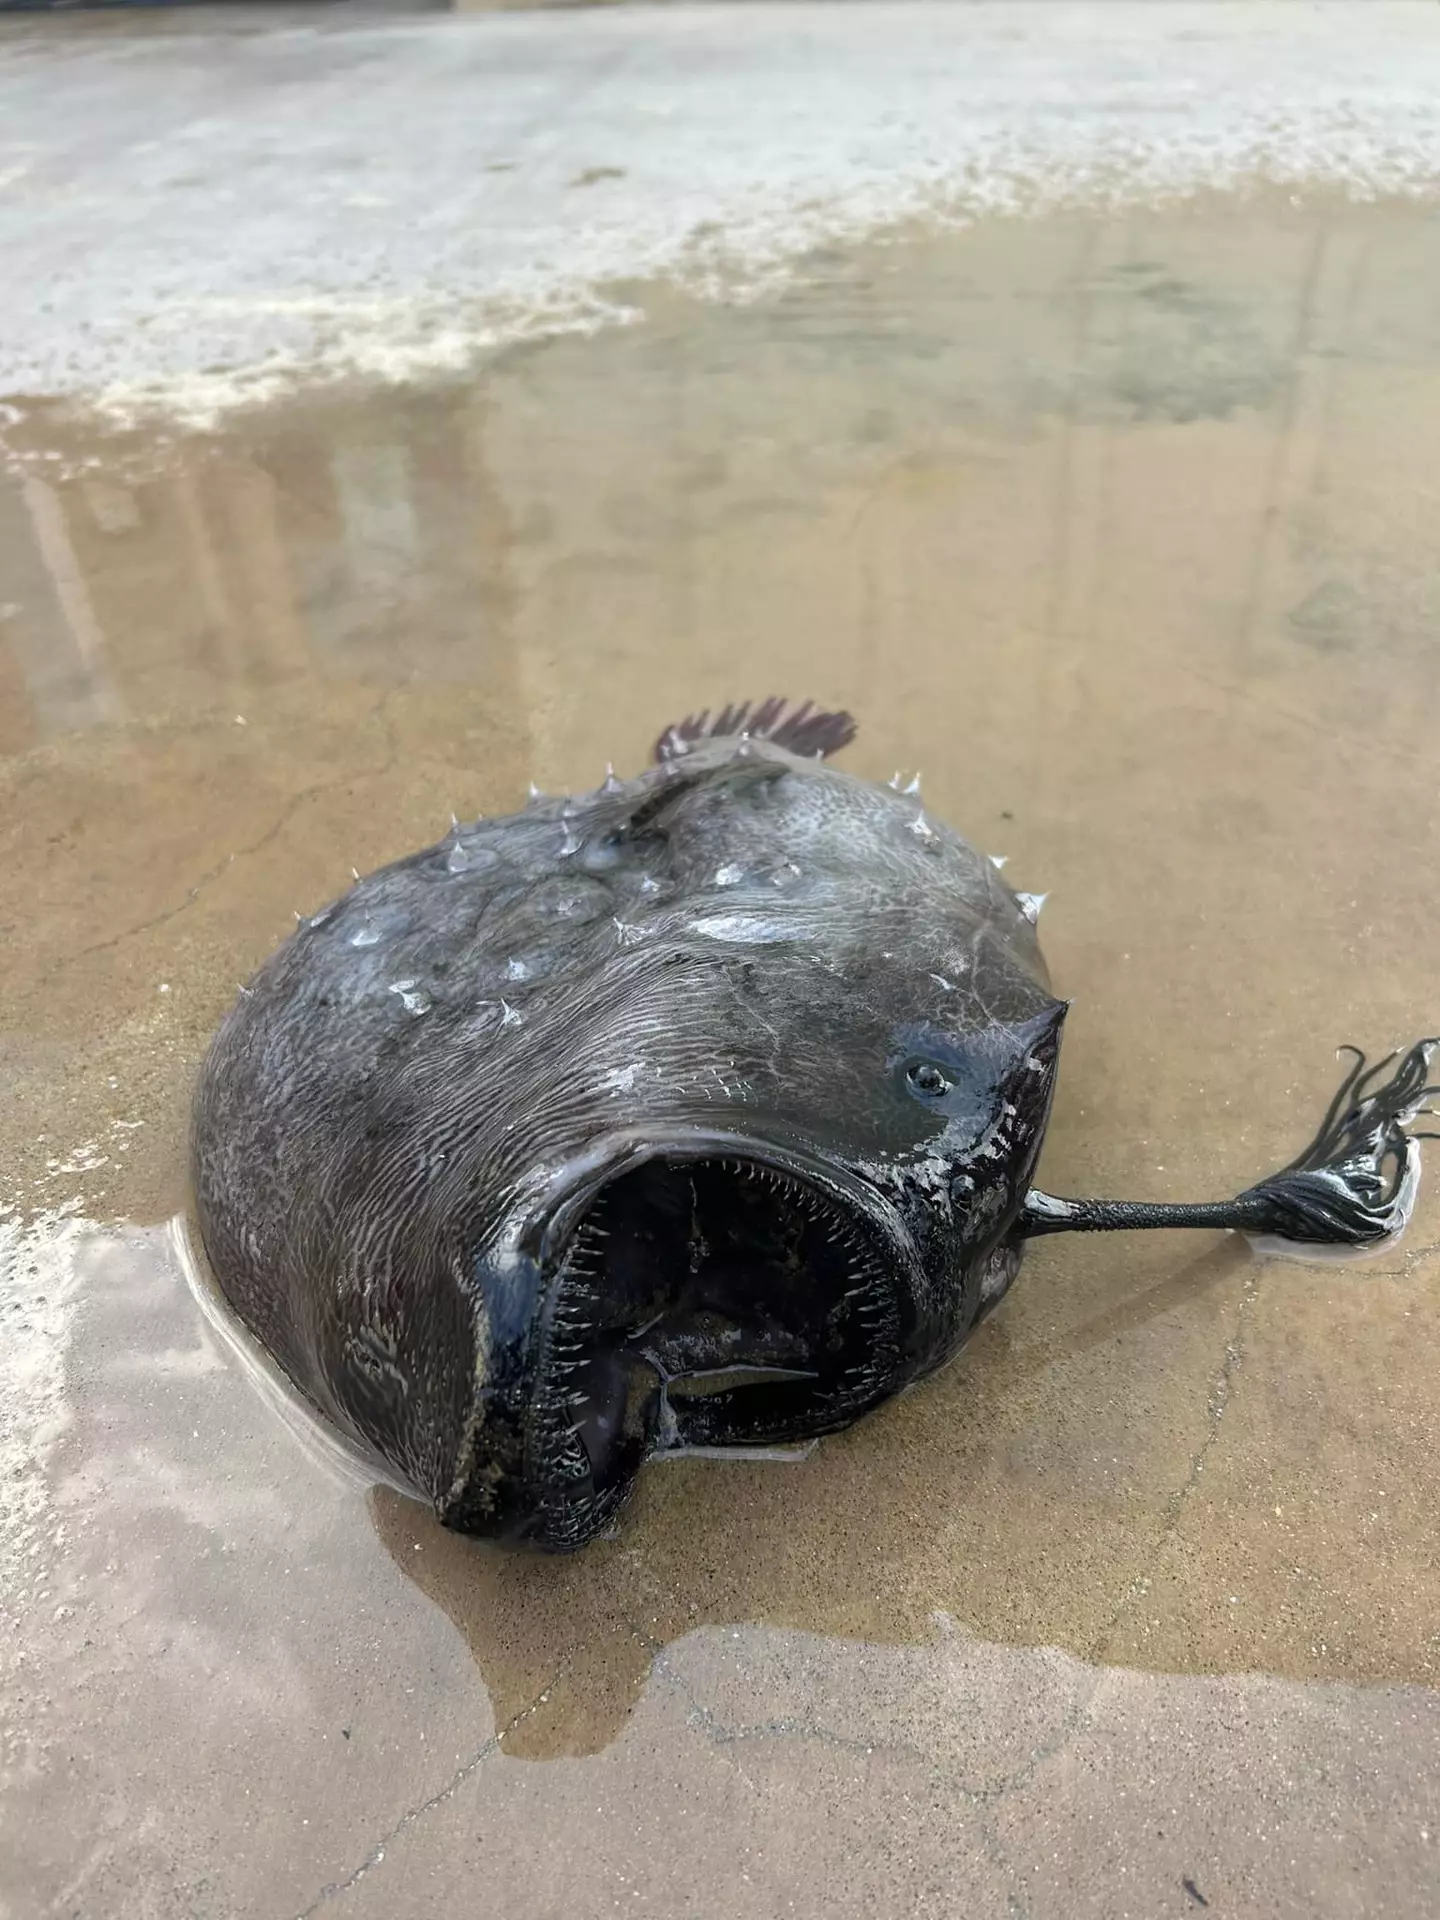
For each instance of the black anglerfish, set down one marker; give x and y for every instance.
(699, 1111)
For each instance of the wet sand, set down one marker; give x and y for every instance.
(1121, 530)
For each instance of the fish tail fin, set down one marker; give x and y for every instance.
(803, 728)
(1351, 1192)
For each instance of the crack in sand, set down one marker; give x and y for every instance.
(287, 813)
(1217, 1401)
(787, 1727)
(985, 1799)
(493, 1746)
(1409, 1261)
(707, 1721)
(1260, 701)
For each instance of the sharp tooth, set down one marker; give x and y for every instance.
(999, 860)
(914, 786)
(1030, 905)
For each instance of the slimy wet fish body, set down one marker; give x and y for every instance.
(697, 1111)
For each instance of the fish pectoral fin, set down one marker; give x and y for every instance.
(1352, 1189)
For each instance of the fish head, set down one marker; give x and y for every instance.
(790, 1203)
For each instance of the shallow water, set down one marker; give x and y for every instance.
(1122, 531)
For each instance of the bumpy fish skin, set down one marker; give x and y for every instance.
(743, 955)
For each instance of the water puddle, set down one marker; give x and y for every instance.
(1121, 531)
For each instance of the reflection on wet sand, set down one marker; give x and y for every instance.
(233, 570)
(57, 675)
(215, 1663)
(1120, 532)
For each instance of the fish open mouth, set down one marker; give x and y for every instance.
(715, 1302)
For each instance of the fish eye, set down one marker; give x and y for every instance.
(928, 1080)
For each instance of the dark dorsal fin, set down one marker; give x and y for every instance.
(803, 729)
